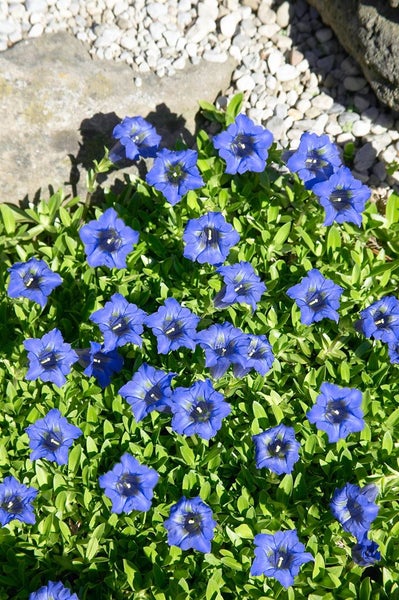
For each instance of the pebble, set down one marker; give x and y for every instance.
(293, 81)
(323, 102)
(36, 30)
(265, 14)
(274, 61)
(354, 84)
(245, 83)
(361, 128)
(324, 34)
(365, 157)
(286, 73)
(283, 15)
(228, 24)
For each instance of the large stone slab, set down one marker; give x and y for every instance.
(58, 108)
(369, 31)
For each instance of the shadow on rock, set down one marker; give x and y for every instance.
(96, 134)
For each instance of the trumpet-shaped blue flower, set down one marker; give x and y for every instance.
(174, 326)
(276, 449)
(108, 240)
(381, 320)
(54, 590)
(120, 322)
(393, 352)
(354, 508)
(316, 297)
(337, 411)
(99, 364)
(51, 437)
(50, 358)
(190, 525)
(315, 159)
(175, 173)
(136, 137)
(148, 390)
(241, 284)
(16, 502)
(209, 239)
(129, 485)
(32, 279)
(224, 345)
(244, 146)
(280, 556)
(198, 409)
(343, 197)
(365, 552)
(258, 355)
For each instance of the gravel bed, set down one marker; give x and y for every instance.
(294, 74)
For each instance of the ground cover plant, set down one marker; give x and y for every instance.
(199, 380)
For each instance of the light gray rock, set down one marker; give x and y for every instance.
(228, 24)
(59, 107)
(265, 14)
(283, 15)
(361, 128)
(286, 73)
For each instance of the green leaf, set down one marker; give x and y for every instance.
(243, 531)
(234, 108)
(214, 586)
(387, 442)
(74, 460)
(8, 217)
(92, 548)
(392, 209)
(282, 234)
(130, 572)
(365, 589)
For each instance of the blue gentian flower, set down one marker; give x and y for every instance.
(198, 409)
(50, 358)
(224, 345)
(337, 411)
(51, 437)
(15, 501)
(129, 485)
(209, 239)
(120, 322)
(365, 552)
(54, 590)
(32, 279)
(148, 390)
(108, 240)
(99, 364)
(174, 326)
(354, 508)
(381, 320)
(276, 449)
(316, 297)
(315, 159)
(343, 197)
(244, 146)
(190, 525)
(393, 352)
(241, 284)
(280, 556)
(136, 137)
(258, 355)
(175, 173)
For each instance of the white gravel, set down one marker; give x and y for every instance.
(294, 74)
